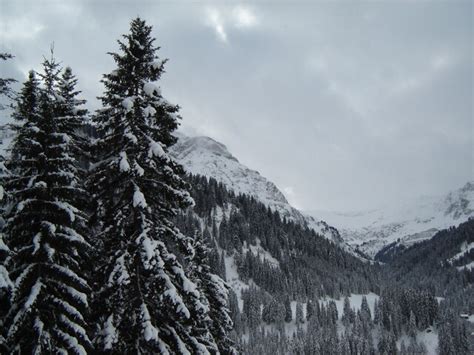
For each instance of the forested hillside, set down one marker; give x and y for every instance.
(443, 265)
(290, 286)
(278, 255)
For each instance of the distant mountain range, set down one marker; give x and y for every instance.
(406, 224)
(367, 232)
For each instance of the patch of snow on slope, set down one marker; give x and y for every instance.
(258, 250)
(465, 248)
(219, 213)
(428, 338)
(469, 266)
(233, 279)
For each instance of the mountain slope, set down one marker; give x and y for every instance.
(404, 225)
(443, 263)
(207, 157)
(259, 248)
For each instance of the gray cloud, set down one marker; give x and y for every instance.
(343, 105)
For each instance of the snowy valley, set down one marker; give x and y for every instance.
(121, 235)
(247, 264)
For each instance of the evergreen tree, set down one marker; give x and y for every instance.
(309, 310)
(6, 284)
(412, 325)
(5, 83)
(332, 312)
(288, 312)
(215, 293)
(222, 267)
(299, 313)
(348, 315)
(273, 312)
(74, 118)
(365, 310)
(45, 228)
(377, 315)
(251, 308)
(146, 302)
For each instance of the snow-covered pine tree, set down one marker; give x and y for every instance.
(215, 293)
(5, 282)
(43, 228)
(146, 303)
(73, 117)
(26, 110)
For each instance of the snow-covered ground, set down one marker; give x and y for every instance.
(233, 279)
(469, 266)
(428, 338)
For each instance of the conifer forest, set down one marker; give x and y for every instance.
(122, 235)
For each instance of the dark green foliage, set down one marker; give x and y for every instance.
(145, 301)
(288, 312)
(5, 83)
(273, 311)
(46, 226)
(251, 307)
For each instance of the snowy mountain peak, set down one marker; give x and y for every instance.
(187, 146)
(207, 157)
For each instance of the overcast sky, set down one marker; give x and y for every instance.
(345, 105)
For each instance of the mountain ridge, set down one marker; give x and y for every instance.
(201, 155)
(362, 232)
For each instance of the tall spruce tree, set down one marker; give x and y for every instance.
(147, 302)
(44, 228)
